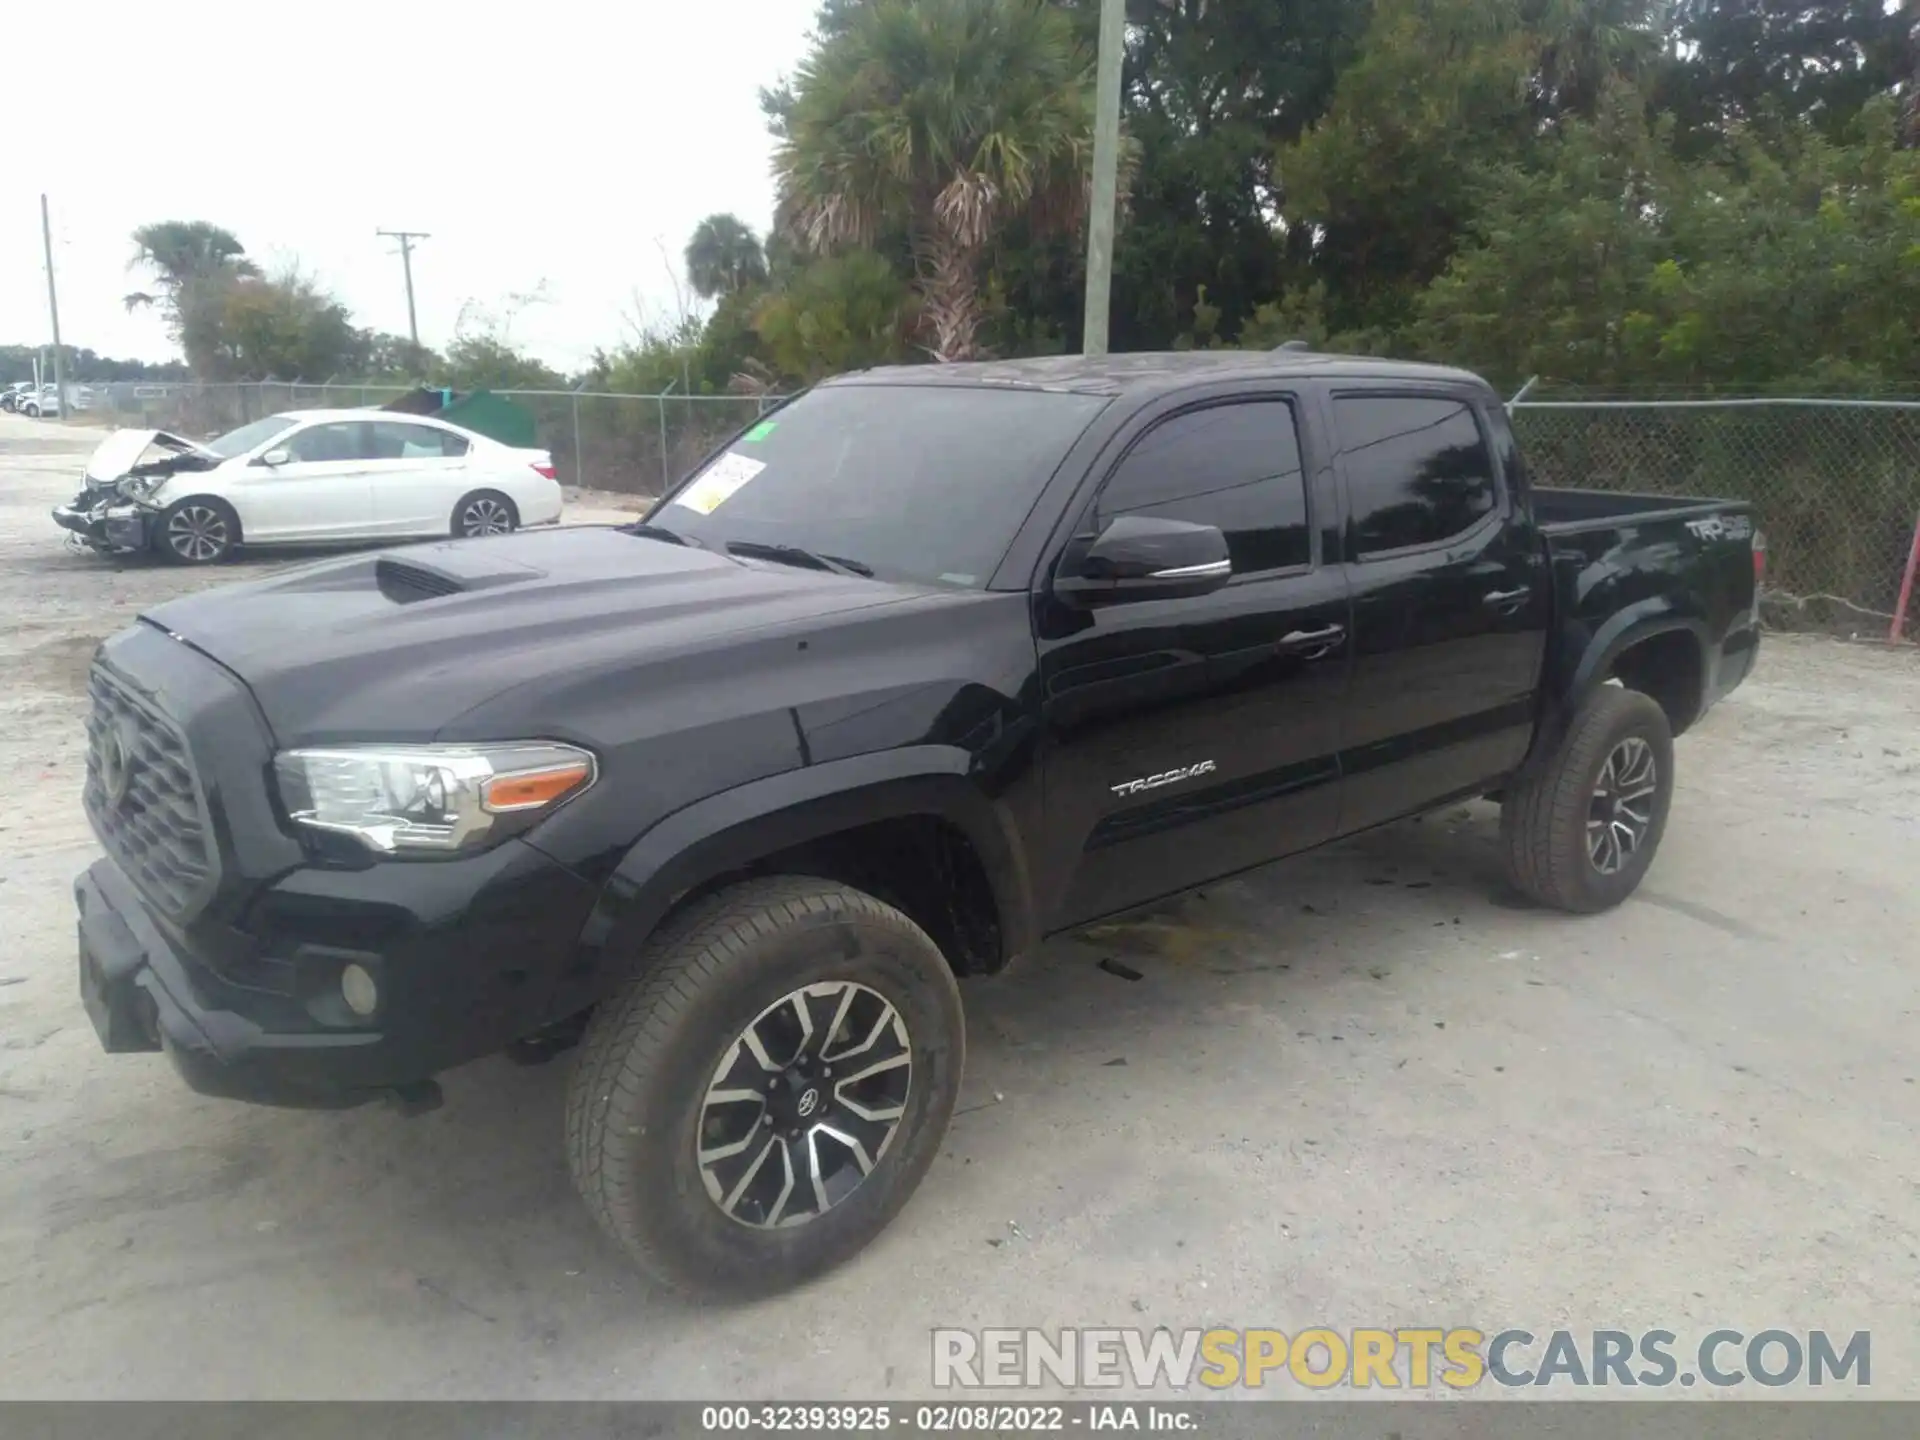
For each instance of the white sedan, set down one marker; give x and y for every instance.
(307, 477)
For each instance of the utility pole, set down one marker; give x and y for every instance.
(406, 239)
(53, 312)
(1106, 176)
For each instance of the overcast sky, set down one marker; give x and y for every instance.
(558, 141)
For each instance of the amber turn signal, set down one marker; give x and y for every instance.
(531, 789)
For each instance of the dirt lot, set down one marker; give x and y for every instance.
(1353, 1090)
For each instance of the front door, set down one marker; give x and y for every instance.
(1450, 604)
(1187, 739)
(319, 492)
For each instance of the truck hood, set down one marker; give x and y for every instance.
(399, 645)
(119, 454)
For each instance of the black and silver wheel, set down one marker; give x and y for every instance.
(769, 1090)
(485, 512)
(198, 531)
(1580, 834)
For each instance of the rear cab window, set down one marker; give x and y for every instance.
(1418, 471)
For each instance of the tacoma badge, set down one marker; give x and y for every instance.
(1165, 777)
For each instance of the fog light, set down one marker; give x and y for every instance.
(358, 990)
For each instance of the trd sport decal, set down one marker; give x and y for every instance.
(1165, 777)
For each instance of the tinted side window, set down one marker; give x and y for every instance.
(1233, 466)
(397, 440)
(1417, 470)
(340, 440)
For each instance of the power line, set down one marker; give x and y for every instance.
(406, 239)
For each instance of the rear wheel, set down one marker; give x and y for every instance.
(485, 512)
(199, 530)
(1580, 834)
(766, 1095)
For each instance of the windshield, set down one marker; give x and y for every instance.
(916, 482)
(248, 437)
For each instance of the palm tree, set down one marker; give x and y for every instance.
(179, 252)
(190, 261)
(944, 120)
(724, 257)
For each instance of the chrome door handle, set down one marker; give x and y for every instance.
(1317, 642)
(1506, 599)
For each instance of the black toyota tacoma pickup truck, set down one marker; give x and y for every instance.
(924, 667)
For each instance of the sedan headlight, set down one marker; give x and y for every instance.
(430, 799)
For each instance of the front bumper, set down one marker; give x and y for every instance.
(105, 524)
(464, 954)
(140, 996)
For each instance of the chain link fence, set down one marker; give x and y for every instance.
(1836, 483)
(634, 444)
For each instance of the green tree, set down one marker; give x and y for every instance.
(841, 313)
(487, 362)
(945, 120)
(724, 256)
(185, 258)
(253, 327)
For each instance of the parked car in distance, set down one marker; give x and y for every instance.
(927, 665)
(36, 404)
(306, 477)
(11, 397)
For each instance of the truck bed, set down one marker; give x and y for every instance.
(1566, 512)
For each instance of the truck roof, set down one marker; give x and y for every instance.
(1154, 371)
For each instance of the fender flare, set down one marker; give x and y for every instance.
(1642, 620)
(733, 829)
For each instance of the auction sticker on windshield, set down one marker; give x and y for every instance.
(718, 481)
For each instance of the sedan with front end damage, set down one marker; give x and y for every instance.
(310, 477)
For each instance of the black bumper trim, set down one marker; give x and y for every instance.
(141, 998)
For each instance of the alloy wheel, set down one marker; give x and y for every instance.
(485, 517)
(1621, 811)
(198, 533)
(803, 1104)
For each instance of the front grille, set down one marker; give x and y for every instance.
(144, 799)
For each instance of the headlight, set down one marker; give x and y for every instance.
(429, 799)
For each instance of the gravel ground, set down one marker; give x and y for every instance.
(1352, 1090)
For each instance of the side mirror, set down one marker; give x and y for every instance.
(1140, 557)
(276, 457)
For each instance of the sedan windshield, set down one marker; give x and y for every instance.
(913, 482)
(247, 437)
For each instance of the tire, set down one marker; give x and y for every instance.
(32, 412)
(638, 1100)
(1565, 830)
(484, 512)
(199, 530)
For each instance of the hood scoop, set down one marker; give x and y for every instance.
(447, 570)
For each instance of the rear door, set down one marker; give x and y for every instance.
(319, 493)
(1450, 602)
(418, 473)
(1186, 739)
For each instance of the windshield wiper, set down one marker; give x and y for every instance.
(660, 532)
(794, 555)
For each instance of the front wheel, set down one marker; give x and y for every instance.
(485, 512)
(1580, 834)
(770, 1089)
(32, 412)
(198, 531)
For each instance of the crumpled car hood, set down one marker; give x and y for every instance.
(120, 454)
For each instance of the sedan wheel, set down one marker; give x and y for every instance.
(485, 514)
(197, 532)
